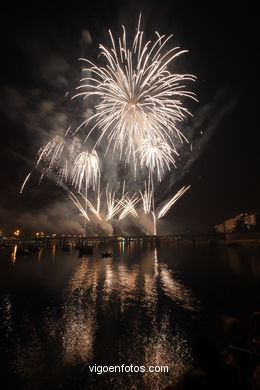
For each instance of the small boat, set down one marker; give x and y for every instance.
(106, 254)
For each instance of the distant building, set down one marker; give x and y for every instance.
(246, 220)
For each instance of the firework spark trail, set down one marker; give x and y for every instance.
(86, 171)
(98, 199)
(154, 223)
(114, 205)
(156, 154)
(92, 208)
(128, 204)
(51, 152)
(72, 150)
(51, 155)
(167, 207)
(55, 158)
(147, 197)
(25, 181)
(63, 173)
(171, 202)
(138, 94)
(77, 203)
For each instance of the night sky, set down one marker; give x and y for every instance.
(40, 50)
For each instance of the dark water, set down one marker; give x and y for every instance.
(144, 306)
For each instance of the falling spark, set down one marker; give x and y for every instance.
(55, 160)
(51, 153)
(86, 170)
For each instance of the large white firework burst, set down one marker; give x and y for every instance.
(139, 96)
(85, 171)
(137, 116)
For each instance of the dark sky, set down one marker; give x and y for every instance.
(40, 47)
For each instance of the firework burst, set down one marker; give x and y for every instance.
(139, 96)
(156, 155)
(137, 116)
(85, 170)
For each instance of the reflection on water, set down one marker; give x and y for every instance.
(62, 313)
(13, 254)
(53, 251)
(40, 254)
(165, 348)
(29, 360)
(79, 312)
(99, 287)
(6, 315)
(175, 290)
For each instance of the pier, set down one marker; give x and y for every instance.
(79, 239)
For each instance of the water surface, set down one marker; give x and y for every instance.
(144, 306)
